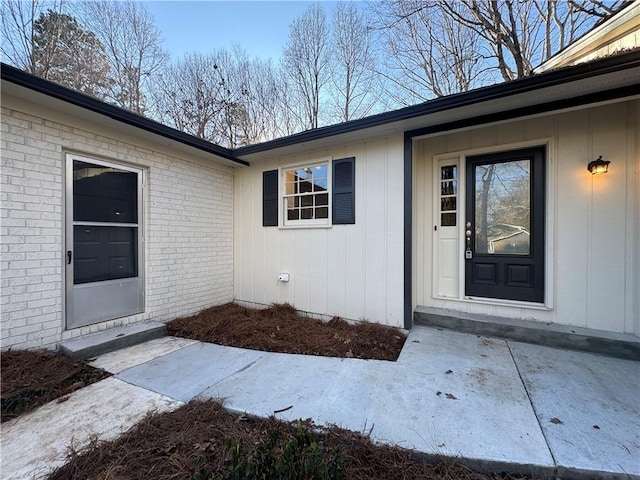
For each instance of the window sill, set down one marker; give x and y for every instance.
(298, 227)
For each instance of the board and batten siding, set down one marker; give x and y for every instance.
(351, 271)
(593, 222)
(188, 222)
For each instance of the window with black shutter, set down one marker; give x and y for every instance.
(306, 197)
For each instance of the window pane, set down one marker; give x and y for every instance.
(502, 206)
(320, 171)
(104, 194)
(448, 188)
(302, 173)
(306, 201)
(320, 184)
(306, 213)
(449, 173)
(306, 187)
(322, 199)
(447, 203)
(448, 219)
(291, 188)
(322, 212)
(104, 253)
(293, 214)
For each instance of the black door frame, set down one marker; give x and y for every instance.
(501, 287)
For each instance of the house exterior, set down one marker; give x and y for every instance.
(166, 251)
(478, 202)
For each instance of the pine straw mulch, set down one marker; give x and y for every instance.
(33, 378)
(280, 329)
(195, 438)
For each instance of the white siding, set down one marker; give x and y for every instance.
(593, 221)
(352, 271)
(188, 225)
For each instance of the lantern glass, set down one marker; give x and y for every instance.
(599, 166)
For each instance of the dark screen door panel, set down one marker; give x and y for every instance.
(104, 270)
(104, 253)
(505, 218)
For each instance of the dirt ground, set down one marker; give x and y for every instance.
(33, 378)
(280, 329)
(197, 442)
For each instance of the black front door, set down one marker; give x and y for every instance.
(505, 225)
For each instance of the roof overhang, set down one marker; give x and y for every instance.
(607, 79)
(49, 95)
(611, 78)
(624, 22)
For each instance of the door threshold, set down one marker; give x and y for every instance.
(89, 346)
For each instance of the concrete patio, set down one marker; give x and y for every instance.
(493, 404)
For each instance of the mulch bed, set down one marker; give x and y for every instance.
(196, 438)
(280, 329)
(33, 378)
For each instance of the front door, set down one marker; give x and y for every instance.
(504, 245)
(103, 241)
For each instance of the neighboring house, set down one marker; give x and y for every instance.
(109, 218)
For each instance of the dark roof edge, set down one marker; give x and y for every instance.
(551, 78)
(26, 80)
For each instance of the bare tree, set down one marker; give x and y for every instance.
(523, 34)
(436, 48)
(18, 30)
(133, 44)
(353, 63)
(188, 95)
(305, 59)
(429, 52)
(259, 96)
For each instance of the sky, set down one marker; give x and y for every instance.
(260, 27)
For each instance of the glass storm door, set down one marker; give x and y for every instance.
(504, 244)
(104, 242)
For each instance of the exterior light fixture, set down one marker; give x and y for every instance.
(598, 166)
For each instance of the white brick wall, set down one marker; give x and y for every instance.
(188, 228)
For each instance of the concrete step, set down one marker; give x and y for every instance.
(113, 339)
(619, 345)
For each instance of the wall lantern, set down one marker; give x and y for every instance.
(598, 166)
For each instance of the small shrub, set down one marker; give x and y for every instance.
(301, 457)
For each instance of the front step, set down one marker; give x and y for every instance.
(113, 339)
(612, 344)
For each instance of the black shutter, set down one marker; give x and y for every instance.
(270, 198)
(344, 191)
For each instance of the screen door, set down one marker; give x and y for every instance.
(103, 241)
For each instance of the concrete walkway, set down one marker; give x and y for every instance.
(493, 404)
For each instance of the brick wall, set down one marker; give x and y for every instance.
(188, 226)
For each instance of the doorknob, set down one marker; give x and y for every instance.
(69, 255)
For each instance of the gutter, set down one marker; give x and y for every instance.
(46, 87)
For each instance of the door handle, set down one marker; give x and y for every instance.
(468, 255)
(69, 256)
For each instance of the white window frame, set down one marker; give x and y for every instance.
(315, 222)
